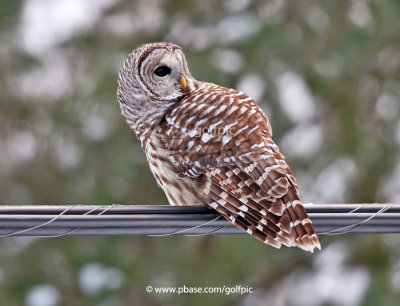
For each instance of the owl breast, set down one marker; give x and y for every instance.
(179, 190)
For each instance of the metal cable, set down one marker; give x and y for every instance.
(161, 220)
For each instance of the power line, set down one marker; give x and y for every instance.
(161, 220)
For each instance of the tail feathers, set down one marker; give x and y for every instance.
(267, 227)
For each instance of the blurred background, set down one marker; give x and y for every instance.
(327, 73)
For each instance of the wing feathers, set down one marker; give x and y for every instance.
(248, 181)
(254, 208)
(251, 216)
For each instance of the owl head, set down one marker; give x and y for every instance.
(153, 77)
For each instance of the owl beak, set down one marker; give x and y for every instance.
(182, 80)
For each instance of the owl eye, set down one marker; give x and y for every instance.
(162, 71)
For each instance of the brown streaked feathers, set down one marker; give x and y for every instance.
(210, 145)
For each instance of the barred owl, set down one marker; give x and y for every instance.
(210, 145)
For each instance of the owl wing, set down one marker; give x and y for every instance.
(222, 135)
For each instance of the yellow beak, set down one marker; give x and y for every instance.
(183, 81)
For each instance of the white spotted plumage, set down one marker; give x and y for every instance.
(210, 145)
